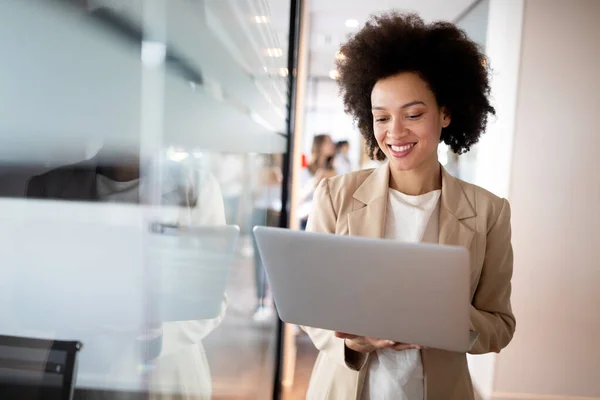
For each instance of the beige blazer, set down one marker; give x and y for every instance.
(355, 204)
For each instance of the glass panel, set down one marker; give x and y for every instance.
(141, 141)
(475, 24)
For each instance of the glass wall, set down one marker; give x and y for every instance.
(140, 142)
(475, 24)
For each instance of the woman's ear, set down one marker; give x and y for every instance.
(445, 116)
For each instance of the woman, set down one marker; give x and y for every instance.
(321, 166)
(342, 161)
(409, 86)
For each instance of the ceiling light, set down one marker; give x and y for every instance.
(351, 23)
(176, 155)
(334, 74)
(340, 56)
(261, 19)
(274, 52)
(283, 72)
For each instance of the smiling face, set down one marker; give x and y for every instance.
(407, 121)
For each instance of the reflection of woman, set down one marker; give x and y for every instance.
(321, 166)
(194, 199)
(409, 86)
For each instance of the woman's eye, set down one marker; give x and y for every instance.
(415, 116)
(381, 119)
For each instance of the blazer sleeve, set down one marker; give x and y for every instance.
(323, 219)
(491, 313)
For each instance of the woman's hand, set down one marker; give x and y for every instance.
(364, 344)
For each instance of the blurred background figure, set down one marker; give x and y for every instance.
(342, 161)
(267, 208)
(231, 173)
(321, 166)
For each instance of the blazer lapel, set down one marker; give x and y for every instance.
(370, 205)
(455, 207)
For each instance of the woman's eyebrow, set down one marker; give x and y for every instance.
(412, 103)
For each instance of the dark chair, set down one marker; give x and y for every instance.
(37, 369)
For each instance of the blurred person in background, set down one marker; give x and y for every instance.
(267, 209)
(231, 173)
(342, 162)
(195, 197)
(320, 166)
(425, 84)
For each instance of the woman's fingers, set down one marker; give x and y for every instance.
(379, 343)
(406, 346)
(398, 346)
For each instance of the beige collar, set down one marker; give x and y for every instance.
(371, 198)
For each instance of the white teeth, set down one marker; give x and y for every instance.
(402, 148)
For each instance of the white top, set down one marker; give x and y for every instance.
(342, 163)
(209, 208)
(111, 191)
(398, 375)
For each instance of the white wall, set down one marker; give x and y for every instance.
(475, 23)
(503, 48)
(488, 164)
(555, 196)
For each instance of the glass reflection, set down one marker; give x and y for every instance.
(107, 255)
(129, 243)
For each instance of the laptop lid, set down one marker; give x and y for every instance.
(411, 293)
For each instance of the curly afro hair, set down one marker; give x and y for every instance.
(443, 56)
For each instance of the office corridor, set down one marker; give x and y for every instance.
(241, 350)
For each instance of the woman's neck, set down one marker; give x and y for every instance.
(414, 182)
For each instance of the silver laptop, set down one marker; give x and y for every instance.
(97, 273)
(411, 293)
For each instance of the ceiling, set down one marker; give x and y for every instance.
(328, 17)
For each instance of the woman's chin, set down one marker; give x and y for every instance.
(401, 165)
(411, 162)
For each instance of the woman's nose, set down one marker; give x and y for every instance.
(397, 129)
